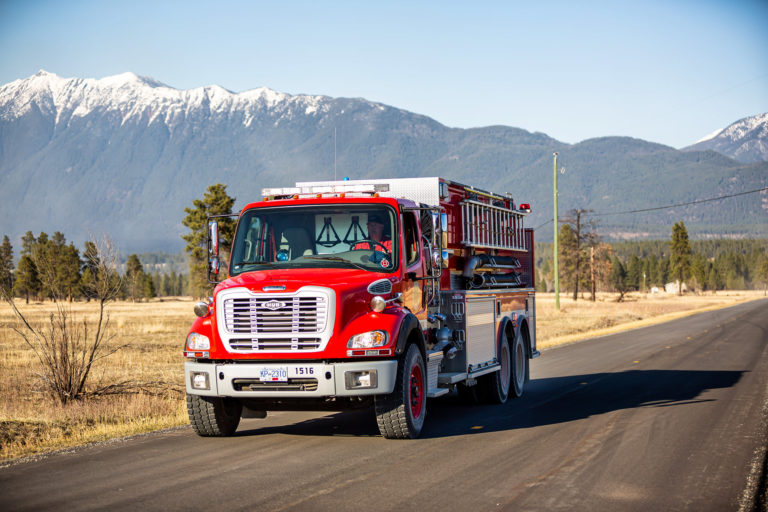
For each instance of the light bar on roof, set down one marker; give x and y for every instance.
(359, 188)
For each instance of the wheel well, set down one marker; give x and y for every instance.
(415, 337)
(527, 343)
(526, 337)
(509, 330)
(410, 332)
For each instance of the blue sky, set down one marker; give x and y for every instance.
(665, 71)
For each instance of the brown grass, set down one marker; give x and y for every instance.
(582, 318)
(154, 333)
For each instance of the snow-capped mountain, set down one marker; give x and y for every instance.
(125, 154)
(746, 140)
(142, 99)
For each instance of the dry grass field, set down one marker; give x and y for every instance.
(153, 334)
(582, 318)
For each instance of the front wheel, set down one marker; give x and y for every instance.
(400, 414)
(213, 416)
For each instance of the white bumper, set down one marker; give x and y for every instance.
(313, 379)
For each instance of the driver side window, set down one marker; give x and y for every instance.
(411, 238)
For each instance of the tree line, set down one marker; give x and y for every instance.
(50, 268)
(588, 265)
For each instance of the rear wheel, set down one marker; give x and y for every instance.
(519, 366)
(400, 414)
(213, 416)
(495, 387)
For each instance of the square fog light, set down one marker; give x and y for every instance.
(361, 379)
(199, 380)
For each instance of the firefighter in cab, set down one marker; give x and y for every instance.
(378, 241)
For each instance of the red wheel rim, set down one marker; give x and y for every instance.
(417, 391)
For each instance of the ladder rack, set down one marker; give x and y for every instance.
(492, 227)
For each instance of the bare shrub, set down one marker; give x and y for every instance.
(67, 347)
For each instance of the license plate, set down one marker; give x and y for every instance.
(277, 374)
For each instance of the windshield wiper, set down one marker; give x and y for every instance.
(253, 263)
(336, 258)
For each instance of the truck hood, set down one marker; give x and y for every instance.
(293, 279)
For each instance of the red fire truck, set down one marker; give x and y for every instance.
(377, 293)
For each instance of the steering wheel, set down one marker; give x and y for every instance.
(368, 241)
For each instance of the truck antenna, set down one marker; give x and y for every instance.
(334, 153)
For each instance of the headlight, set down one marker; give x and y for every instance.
(368, 339)
(197, 341)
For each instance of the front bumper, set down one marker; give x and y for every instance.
(311, 380)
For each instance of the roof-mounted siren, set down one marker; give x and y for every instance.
(524, 207)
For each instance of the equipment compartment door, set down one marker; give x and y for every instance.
(481, 330)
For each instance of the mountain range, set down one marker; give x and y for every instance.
(746, 140)
(125, 154)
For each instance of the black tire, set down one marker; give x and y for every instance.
(213, 416)
(401, 414)
(519, 366)
(494, 388)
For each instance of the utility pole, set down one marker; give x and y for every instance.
(557, 271)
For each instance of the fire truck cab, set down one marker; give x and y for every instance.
(375, 293)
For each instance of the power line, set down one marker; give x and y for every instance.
(594, 214)
(680, 204)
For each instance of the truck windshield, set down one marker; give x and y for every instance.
(332, 236)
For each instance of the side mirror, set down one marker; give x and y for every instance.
(444, 239)
(213, 248)
(436, 258)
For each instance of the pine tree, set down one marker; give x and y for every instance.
(68, 271)
(699, 271)
(664, 271)
(215, 202)
(654, 276)
(157, 284)
(90, 268)
(148, 288)
(634, 279)
(618, 277)
(27, 280)
(27, 243)
(6, 266)
(134, 278)
(680, 254)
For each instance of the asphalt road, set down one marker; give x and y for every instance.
(670, 417)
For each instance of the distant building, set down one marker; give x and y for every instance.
(674, 287)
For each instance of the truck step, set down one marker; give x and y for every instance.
(433, 393)
(448, 378)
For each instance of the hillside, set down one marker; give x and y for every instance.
(125, 155)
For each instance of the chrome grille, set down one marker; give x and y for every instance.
(275, 314)
(251, 344)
